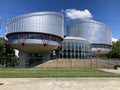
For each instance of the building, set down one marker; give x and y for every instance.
(98, 34)
(75, 48)
(39, 32)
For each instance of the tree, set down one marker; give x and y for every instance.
(116, 49)
(6, 54)
(2, 47)
(5, 50)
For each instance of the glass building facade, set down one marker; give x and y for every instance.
(75, 48)
(33, 36)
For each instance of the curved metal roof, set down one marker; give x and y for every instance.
(74, 38)
(34, 14)
(89, 21)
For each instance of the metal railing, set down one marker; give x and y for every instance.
(39, 62)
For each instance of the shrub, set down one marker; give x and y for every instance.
(116, 66)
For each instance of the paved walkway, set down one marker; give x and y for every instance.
(60, 84)
(111, 71)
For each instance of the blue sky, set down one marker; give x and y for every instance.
(105, 11)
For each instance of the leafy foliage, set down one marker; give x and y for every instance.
(7, 54)
(5, 50)
(116, 66)
(115, 50)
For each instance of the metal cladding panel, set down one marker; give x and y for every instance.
(43, 22)
(34, 45)
(93, 31)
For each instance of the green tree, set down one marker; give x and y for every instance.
(7, 54)
(116, 49)
(5, 50)
(2, 47)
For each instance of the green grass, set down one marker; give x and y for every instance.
(46, 73)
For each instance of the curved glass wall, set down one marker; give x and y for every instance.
(41, 36)
(101, 46)
(75, 49)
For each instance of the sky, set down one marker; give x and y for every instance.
(105, 11)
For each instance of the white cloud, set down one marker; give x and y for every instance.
(77, 14)
(114, 40)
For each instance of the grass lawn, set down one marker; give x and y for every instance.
(52, 73)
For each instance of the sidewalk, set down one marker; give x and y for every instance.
(111, 71)
(60, 83)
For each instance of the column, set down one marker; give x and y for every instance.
(46, 56)
(22, 59)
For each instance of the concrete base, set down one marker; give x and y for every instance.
(46, 56)
(22, 59)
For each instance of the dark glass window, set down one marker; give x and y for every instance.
(34, 36)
